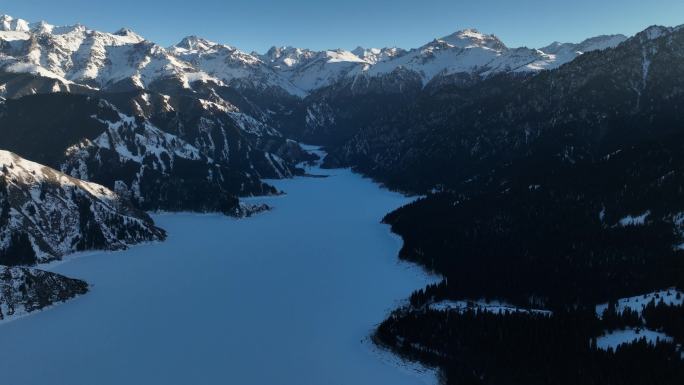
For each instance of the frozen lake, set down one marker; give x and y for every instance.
(287, 297)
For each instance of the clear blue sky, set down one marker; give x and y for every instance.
(258, 24)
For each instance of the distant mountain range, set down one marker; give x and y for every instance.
(123, 60)
(196, 125)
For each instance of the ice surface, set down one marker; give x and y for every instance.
(285, 297)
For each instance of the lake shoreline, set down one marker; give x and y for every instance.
(231, 276)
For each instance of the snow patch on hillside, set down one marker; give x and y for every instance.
(613, 339)
(151, 141)
(638, 220)
(495, 307)
(670, 297)
(25, 172)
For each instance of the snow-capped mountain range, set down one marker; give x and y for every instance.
(125, 60)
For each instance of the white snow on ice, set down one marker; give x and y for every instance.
(286, 297)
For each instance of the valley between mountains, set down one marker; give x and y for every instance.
(543, 241)
(220, 297)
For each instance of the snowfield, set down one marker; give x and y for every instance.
(285, 297)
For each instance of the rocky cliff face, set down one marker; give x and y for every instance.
(45, 214)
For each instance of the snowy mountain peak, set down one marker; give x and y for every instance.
(41, 27)
(8, 23)
(341, 55)
(592, 44)
(126, 32)
(195, 43)
(655, 31)
(67, 29)
(469, 38)
(74, 54)
(287, 56)
(360, 51)
(551, 47)
(376, 55)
